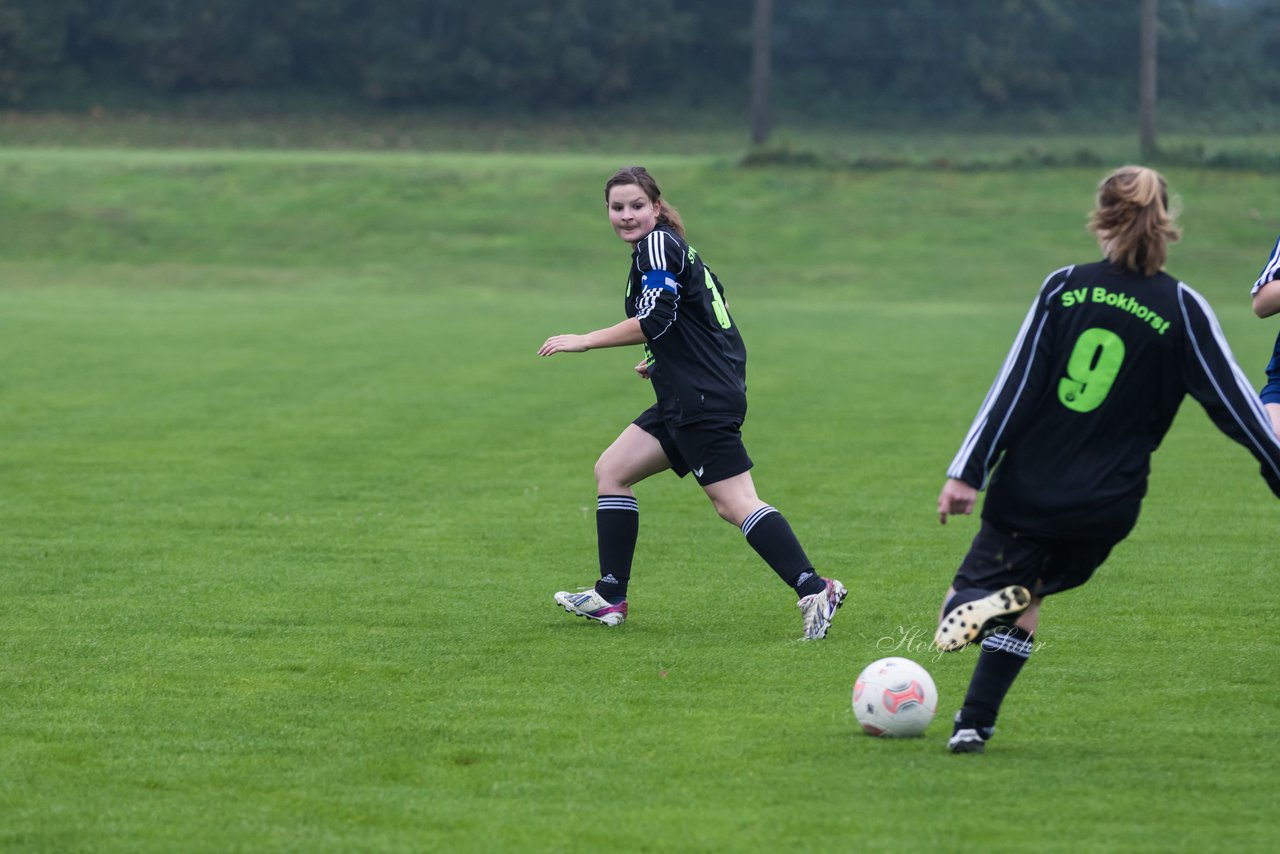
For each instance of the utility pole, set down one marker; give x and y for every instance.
(761, 58)
(1147, 78)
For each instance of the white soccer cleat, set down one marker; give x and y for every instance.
(819, 608)
(590, 604)
(975, 619)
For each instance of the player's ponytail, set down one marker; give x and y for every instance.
(671, 217)
(1132, 219)
(640, 177)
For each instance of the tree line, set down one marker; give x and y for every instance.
(940, 56)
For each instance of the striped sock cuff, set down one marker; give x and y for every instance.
(752, 520)
(624, 503)
(1008, 642)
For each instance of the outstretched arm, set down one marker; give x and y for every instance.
(618, 335)
(1266, 299)
(1215, 380)
(1013, 395)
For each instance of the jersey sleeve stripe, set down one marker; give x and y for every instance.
(983, 418)
(1260, 424)
(675, 313)
(980, 422)
(655, 244)
(655, 247)
(1271, 270)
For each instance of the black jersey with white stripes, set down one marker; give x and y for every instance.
(1088, 391)
(697, 361)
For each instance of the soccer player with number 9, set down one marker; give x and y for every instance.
(1065, 434)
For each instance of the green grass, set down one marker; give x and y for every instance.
(284, 493)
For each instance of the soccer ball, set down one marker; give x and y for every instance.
(894, 698)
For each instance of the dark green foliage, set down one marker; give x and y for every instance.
(398, 51)
(34, 49)
(930, 57)
(577, 51)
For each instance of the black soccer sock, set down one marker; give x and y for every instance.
(999, 663)
(617, 526)
(769, 534)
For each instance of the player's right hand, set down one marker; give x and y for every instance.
(957, 497)
(563, 344)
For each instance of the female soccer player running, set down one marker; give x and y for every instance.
(696, 362)
(1266, 302)
(1092, 383)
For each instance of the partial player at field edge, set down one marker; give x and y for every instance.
(1266, 302)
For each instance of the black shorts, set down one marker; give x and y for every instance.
(998, 558)
(712, 449)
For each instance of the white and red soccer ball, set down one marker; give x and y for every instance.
(894, 698)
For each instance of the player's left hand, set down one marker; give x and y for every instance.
(642, 370)
(563, 344)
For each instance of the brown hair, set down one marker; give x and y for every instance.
(640, 177)
(1132, 219)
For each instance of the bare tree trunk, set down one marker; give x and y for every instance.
(761, 55)
(1147, 78)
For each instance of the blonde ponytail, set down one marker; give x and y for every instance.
(1132, 221)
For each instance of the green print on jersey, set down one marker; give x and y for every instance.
(1122, 301)
(717, 303)
(1091, 369)
(717, 300)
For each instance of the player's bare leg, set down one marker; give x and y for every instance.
(633, 456)
(769, 533)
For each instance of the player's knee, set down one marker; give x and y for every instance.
(612, 475)
(727, 510)
(604, 472)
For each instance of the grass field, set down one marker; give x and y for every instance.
(285, 493)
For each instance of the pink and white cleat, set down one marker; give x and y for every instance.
(819, 609)
(590, 604)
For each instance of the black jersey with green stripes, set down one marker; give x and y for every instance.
(697, 361)
(1088, 391)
